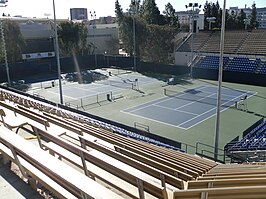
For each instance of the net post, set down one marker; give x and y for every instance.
(81, 102)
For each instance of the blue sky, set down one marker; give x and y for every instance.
(38, 8)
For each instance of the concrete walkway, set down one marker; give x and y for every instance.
(11, 186)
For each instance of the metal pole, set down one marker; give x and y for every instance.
(93, 17)
(217, 126)
(57, 57)
(192, 42)
(94, 39)
(134, 41)
(5, 53)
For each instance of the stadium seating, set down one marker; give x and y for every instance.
(237, 64)
(255, 44)
(243, 64)
(211, 62)
(254, 140)
(235, 42)
(263, 68)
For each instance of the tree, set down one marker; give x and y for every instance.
(231, 21)
(126, 34)
(151, 13)
(72, 37)
(207, 13)
(118, 11)
(240, 19)
(212, 10)
(158, 43)
(171, 18)
(253, 23)
(14, 41)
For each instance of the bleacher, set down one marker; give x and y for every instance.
(237, 64)
(254, 140)
(263, 68)
(127, 167)
(243, 64)
(114, 165)
(211, 62)
(251, 147)
(255, 44)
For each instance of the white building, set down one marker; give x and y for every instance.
(186, 18)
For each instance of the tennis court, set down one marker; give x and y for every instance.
(81, 95)
(188, 108)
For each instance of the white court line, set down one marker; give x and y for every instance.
(158, 101)
(175, 110)
(195, 101)
(221, 111)
(154, 120)
(212, 110)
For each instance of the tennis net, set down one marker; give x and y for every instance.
(90, 100)
(127, 84)
(193, 95)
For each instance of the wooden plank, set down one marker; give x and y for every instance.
(43, 179)
(62, 124)
(255, 192)
(95, 171)
(111, 166)
(226, 183)
(138, 165)
(125, 142)
(55, 169)
(29, 115)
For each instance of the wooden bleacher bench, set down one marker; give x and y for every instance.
(118, 140)
(27, 114)
(54, 121)
(217, 183)
(94, 171)
(61, 173)
(246, 192)
(43, 179)
(137, 164)
(114, 168)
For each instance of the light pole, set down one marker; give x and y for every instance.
(192, 6)
(3, 4)
(217, 126)
(57, 57)
(93, 17)
(133, 2)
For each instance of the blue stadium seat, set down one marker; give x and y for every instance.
(255, 139)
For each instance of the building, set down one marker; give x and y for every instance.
(185, 18)
(104, 37)
(78, 14)
(261, 17)
(261, 14)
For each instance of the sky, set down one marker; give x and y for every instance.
(44, 8)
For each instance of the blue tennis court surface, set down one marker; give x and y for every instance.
(188, 108)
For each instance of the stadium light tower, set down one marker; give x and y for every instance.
(220, 76)
(133, 3)
(57, 57)
(192, 7)
(93, 17)
(3, 4)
